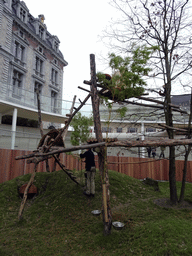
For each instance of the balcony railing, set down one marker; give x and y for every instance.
(20, 62)
(28, 99)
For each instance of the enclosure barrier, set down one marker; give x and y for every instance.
(138, 168)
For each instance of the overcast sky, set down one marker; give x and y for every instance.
(77, 24)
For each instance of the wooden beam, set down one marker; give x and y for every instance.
(150, 143)
(152, 106)
(175, 107)
(25, 192)
(64, 133)
(62, 150)
(71, 149)
(157, 101)
(68, 121)
(151, 100)
(81, 88)
(62, 167)
(172, 128)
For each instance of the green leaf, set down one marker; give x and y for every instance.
(128, 73)
(81, 125)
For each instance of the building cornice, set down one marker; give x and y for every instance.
(19, 66)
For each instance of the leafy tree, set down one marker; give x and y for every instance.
(167, 25)
(81, 125)
(127, 73)
(127, 77)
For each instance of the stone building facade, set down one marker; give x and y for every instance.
(30, 59)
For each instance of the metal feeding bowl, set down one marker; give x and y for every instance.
(118, 225)
(96, 212)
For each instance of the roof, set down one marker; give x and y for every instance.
(182, 99)
(31, 28)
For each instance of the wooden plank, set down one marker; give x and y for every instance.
(10, 168)
(105, 202)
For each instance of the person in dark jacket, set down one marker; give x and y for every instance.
(162, 152)
(90, 170)
(149, 151)
(153, 150)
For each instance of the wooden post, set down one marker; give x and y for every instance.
(25, 192)
(102, 155)
(64, 133)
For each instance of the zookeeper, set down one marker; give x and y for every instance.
(91, 170)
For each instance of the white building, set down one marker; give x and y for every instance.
(30, 59)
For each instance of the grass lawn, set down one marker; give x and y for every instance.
(59, 221)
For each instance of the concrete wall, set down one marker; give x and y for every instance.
(27, 138)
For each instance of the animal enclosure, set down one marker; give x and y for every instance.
(138, 168)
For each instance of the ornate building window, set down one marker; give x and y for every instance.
(150, 129)
(17, 80)
(22, 14)
(53, 102)
(41, 32)
(19, 53)
(131, 130)
(38, 87)
(56, 46)
(54, 77)
(39, 66)
(21, 34)
(119, 130)
(40, 49)
(106, 129)
(55, 42)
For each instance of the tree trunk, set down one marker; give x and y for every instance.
(169, 122)
(172, 178)
(107, 217)
(181, 198)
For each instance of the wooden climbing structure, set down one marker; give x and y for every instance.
(52, 144)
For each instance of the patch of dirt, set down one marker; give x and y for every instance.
(165, 202)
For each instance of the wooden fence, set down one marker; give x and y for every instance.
(138, 168)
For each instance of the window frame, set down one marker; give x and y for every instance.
(19, 52)
(131, 128)
(39, 66)
(22, 14)
(54, 76)
(17, 88)
(54, 98)
(38, 85)
(105, 129)
(119, 129)
(56, 46)
(41, 31)
(150, 129)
